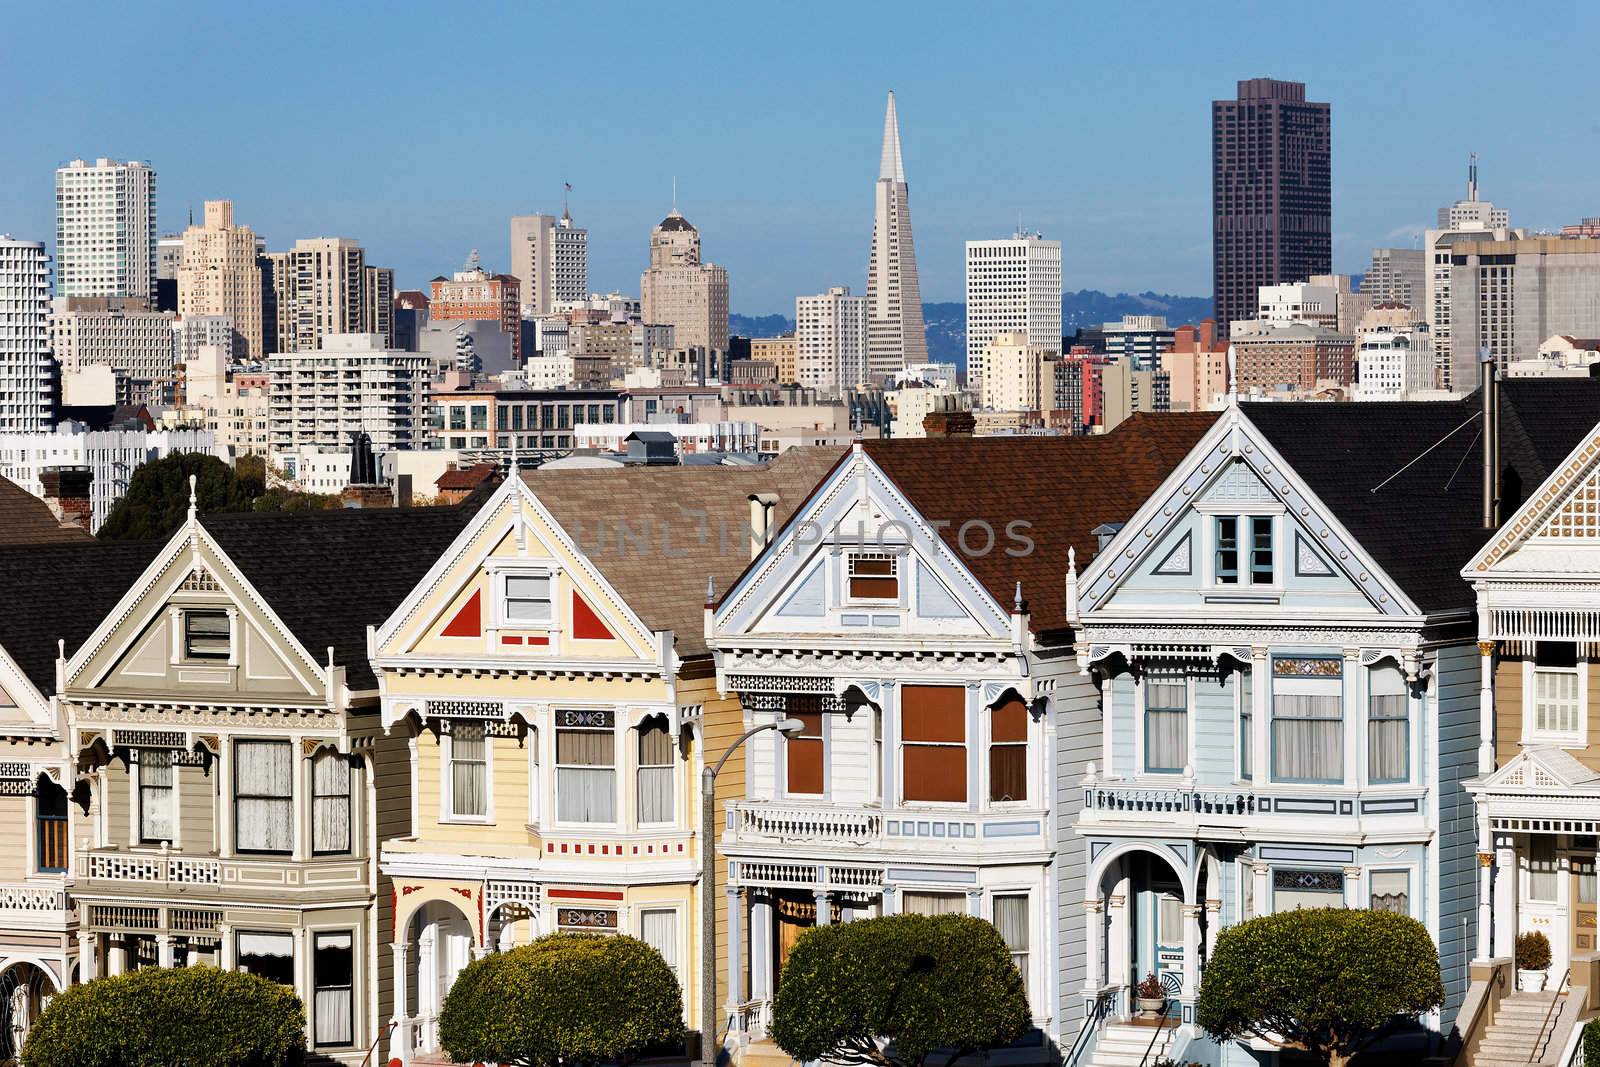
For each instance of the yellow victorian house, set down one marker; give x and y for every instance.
(552, 676)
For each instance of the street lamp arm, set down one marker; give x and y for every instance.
(786, 725)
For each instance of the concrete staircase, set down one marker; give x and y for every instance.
(1125, 1045)
(763, 1054)
(1523, 1023)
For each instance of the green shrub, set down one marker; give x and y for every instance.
(170, 1017)
(1533, 951)
(565, 999)
(1329, 981)
(1591, 1041)
(921, 982)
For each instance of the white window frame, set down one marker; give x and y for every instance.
(1411, 884)
(1142, 690)
(447, 815)
(636, 734)
(535, 783)
(783, 763)
(621, 765)
(1243, 513)
(985, 773)
(499, 619)
(679, 922)
(1030, 981)
(1531, 734)
(185, 657)
(896, 554)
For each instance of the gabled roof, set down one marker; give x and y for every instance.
(61, 592)
(27, 520)
(330, 574)
(1542, 770)
(657, 533)
(1062, 487)
(1405, 478)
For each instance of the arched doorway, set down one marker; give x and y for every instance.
(1141, 905)
(25, 991)
(439, 941)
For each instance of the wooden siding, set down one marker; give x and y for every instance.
(1457, 682)
(1508, 709)
(1076, 707)
(723, 721)
(197, 804)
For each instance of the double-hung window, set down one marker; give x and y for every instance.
(586, 768)
(263, 793)
(206, 635)
(1388, 727)
(658, 928)
(1243, 550)
(1008, 751)
(1166, 723)
(1227, 564)
(1011, 919)
(469, 770)
(155, 795)
(655, 771)
(1247, 714)
(804, 753)
(1260, 550)
(330, 804)
(50, 828)
(933, 732)
(1557, 694)
(1391, 891)
(333, 985)
(1307, 720)
(529, 599)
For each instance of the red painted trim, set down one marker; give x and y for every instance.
(584, 894)
(469, 620)
(538, 640)
(507, 639)
(586, 623)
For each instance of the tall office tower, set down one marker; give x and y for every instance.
(1271, 198)
(219, 276)
(1013, 286)
(830, 340)
(1397, 276)
(1472, 213)
(27, 373)
(896, 336)
(680, 291)
(105, 229)
(122, 333)
(550, 257)
(1469, 220)
(323, 286)
(1511, 296)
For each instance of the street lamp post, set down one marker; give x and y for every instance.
(708, 901)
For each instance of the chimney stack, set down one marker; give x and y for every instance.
(66, 490)
(1491, 439)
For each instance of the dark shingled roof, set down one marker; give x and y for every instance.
(1063, 487)
(1425, 524)
(27, 520)
(674, 221)
(61, 592)
(330, 574)
(686, 524)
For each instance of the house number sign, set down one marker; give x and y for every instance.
(586, 918)
(593, 719)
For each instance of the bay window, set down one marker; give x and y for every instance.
(333, 986)
(1166, 723)
(1306, 889)
(804, 755)
(1388, 726)
(468, 771)
(1307, 720)
(1008, 751)
(655, 771)
(1247, 712)
(586, 783)
(1391, 891)
(933, 731)
(330, 804)
(155, 795)
(913, 902)
(658, 928)
(267, 955)
(1011, 920)
(50, 828)
(262, 796)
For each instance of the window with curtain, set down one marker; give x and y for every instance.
(1227, 562)
(655, 771)
(263, 806)
(876, 771)
(1543, 871)
(155, 795)
(535, 788)
(50, 828)
(586, 784)
(1008, 751)
(469, 770)
(1166, 722)
(933, 732)
(1556, 703)
(659, 929)
(333, 986)
(1306, 889)
(915, 903)
(269, 956)
(1011, 919)
(1583, 875)
(1247, 706)
(1261, 550)
(1388, 726)
(1307, 721)
(330, 804)
(529, 598)
(804, 755)
(1391, 891)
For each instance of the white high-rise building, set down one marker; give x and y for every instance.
(121, 333)
(26, 369)
(550, 257)
(896, 335)
(830, 340)
(1013, 286)
(1465, 220)
(352, 383)
(106, 229)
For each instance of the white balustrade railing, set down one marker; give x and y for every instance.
(795, 822)
(752, 1018)
(22, 896)
(1158, 799)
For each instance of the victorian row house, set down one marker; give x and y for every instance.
(551, 677)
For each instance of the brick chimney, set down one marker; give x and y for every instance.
(1183, 339)
(366, 496)
(66, 490)
(948, 424)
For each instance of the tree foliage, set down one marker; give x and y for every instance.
(1329, 981)
(157, 500)
(565, 999)
(160, 1017)
(891, 990)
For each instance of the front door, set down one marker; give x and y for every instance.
(791, 917)
(1169, 942)
(1583, 904)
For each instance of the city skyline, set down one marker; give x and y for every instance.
(985, 142)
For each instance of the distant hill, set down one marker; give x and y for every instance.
(947, 323)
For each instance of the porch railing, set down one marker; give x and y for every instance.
(1166, 800)
(267, 873)
(23, 896)
(807, 823)
(752, 1018)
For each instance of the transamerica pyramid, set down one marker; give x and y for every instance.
(896, 336)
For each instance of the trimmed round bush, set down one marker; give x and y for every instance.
(1533, 951)
(171, 1017)
(564, 999)
(920, 982)
(1329, 981)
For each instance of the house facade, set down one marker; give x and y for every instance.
(550, 678)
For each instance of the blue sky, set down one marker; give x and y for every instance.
(419, 129)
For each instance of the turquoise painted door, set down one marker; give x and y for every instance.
(1169, 943)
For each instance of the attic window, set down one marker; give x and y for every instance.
(528, 598)
(874, 576)
(206, 635)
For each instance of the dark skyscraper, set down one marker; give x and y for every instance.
(1271, 195)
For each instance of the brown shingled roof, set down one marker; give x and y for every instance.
(657, 533)
(27, 520)
(466, 478)
(1063, 487)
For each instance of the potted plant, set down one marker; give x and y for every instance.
(1533, 960)
(1151, 995)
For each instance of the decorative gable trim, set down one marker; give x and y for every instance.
(1561, 510)
(468, 622)
(1181, 559)
(1308, 562)
(1542, 770)
(587, 625)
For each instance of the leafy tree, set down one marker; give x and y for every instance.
(565, 999)
(1328, 981)
(159, 1016)
(157, 500)
(892, 990)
